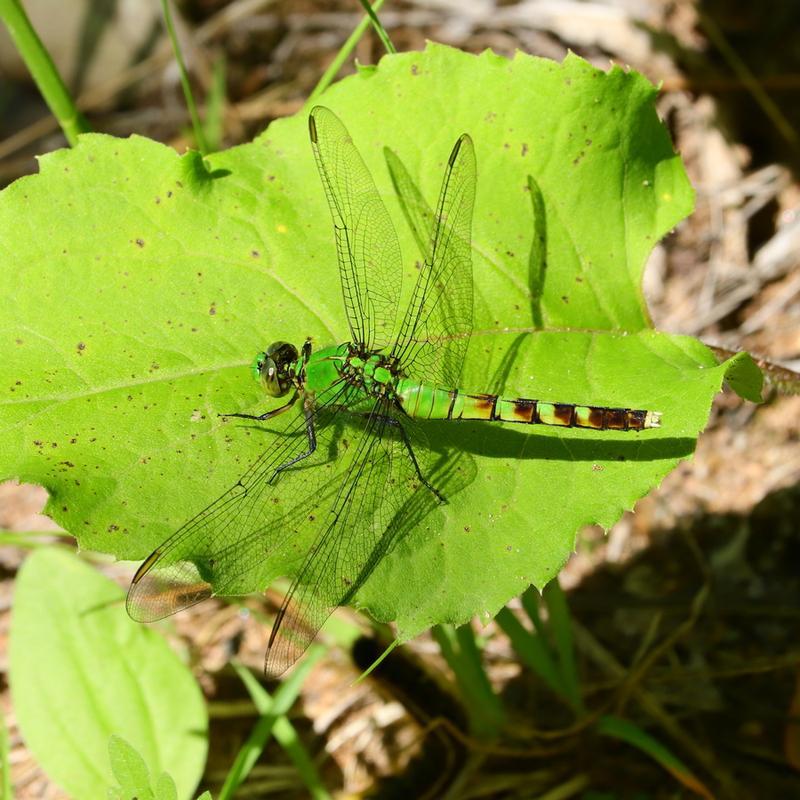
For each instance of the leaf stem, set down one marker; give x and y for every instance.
(43, 70)
(197, 127)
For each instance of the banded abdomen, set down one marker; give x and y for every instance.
(426, 402)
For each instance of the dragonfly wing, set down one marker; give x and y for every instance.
(382, 499)
(435, 331)
(225, 548)
(370, 263)
(419, 215)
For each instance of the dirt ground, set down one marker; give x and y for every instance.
(687, 612)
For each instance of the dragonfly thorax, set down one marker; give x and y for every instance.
(274, 369)
(375, 373)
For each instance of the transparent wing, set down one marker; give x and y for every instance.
(434, 334)
(370, 263)
(382, 499)
(419, 215)
(225, 549)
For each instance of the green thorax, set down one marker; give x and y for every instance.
(371, 373)
(324, 368)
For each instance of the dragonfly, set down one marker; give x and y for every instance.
(335, 491)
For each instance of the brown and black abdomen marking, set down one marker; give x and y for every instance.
(425, 402)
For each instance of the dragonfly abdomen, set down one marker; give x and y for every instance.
(426, 402)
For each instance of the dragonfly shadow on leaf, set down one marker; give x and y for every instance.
(472, 437)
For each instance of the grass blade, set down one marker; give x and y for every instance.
(273, 722)
(561, 627)
(379, 29)
(461, 652)
(626, 731)
(342, 55)
(531, 651)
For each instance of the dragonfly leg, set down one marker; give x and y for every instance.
(267, 414)
(404, 436)
(312, 443)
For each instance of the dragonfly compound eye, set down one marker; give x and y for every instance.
(276, 369)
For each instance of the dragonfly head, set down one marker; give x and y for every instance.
(273, 368)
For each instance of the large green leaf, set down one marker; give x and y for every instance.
(81, 671)
(140, 285)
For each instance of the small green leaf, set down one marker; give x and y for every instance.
(129, 770)
(82, 671)
(133, 775)
(744, 377)
(165, 788)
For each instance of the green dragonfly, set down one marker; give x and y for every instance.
(334, 492)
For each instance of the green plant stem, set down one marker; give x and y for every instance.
(43, 70)
(377, 25)
(197, 127)
(343, 54)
